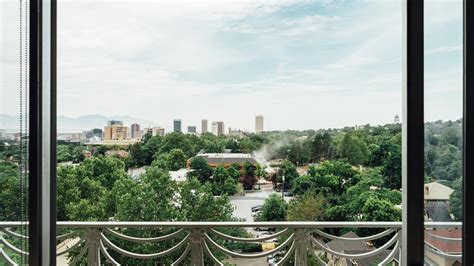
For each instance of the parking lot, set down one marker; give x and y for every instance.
(243, 204)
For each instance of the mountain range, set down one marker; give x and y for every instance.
(11, 123)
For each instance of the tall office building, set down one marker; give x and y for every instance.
(115, 131)
(114, 122)
(154, 131)
(177, 125)
(136, 133)
(214, 128)
(218, 128)
(192, 129)
(203, 126)
(259, 124)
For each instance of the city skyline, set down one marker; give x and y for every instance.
(304, 64)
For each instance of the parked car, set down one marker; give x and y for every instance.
(256, 208)
(288, 194)
(264, 229)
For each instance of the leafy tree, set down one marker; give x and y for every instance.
(452, 136)
(200, 169)
(309, 207)
(197, 203)
(229, 187)
(380, 210)
(288, 170)
(145, 199)
(298, 153)
(455, 200)
(233, 144)
(234, 171)
(138, 154)
(249, 177)
(249, 169)
(354, 149)
(274, 209)
(392, 169)
(151, 145)
(176, 160)
(63, 153)
(105, 170)
(10, 193)
(176, 140)
(320, 146)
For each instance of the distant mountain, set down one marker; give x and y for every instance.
(76, 124)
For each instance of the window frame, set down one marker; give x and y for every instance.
(42, 133)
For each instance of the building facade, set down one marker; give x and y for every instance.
(177, 125)
(154, 131)
(192, 129)
(136, 132)
(204, 126)
(115, 131)
(259, 124)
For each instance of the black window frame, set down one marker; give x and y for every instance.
(42, 134)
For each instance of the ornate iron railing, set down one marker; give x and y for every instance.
(200, 243)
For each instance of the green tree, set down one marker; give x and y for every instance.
(274, 209)
(63, 153)
(380, 210)
(455, 200)
(176, 140)
(392, 169)
(200, 169)
(320, 145)
(288, 170)
(176, 160)
(10, 192)
(309, 207)
(354, 149)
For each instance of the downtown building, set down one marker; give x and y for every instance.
(204, 129)
(154, 131)
(192, 130)
(259, 124)
(177, 124)
(115, 130)
(136, 132)
(218, 128)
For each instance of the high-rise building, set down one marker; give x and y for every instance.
(192, 129)
(203, 126)
(214, 128)
(116, 131)
(155, 131)
(259, 124)
(218, 128)
(114, 122)
(136, 133)
(177, 125)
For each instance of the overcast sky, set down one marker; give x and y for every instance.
(301, 64)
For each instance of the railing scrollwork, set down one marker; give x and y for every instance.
(200, 243)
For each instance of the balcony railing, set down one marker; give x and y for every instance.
(200, 243)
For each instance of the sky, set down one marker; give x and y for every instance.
(301, 64)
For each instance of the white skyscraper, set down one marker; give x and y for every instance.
(259, 124)
(218, 128)
(214, 128)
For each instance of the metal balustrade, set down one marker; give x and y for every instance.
(200, 243)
